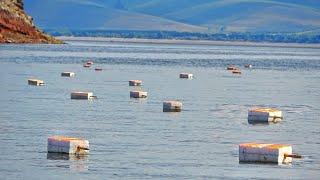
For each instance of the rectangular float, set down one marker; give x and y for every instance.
(172, 106)
(231, 68)
(265, 153)
(186, 76)
(135, 83)
(237, 71)
(82, 95)
(67, 145)
(264, 115)
(138, 94)
(89, 62)
(68, 74)
(35, 82)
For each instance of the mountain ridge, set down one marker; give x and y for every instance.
(98, 16)
(211, 16)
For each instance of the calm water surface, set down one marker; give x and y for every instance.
(134, 139)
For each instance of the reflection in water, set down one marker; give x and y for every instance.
(75, 162)
(255, 123)
(58, 156)
(260, 123)
(138, 100)
(268, 163)
(173, 114)
(63, 156)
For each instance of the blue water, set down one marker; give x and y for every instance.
(134, 139)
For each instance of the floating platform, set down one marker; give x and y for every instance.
(67, 145)
(135, 83)
(138, 94)
(186, 76)
(264, 115)
(265, 153)
(237, 71)
(89, 62)
(231, 68)
(35, 82)
(86, 65)
(172, 106)
(82, 95)
(68, 74)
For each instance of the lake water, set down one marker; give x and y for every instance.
(134, 139)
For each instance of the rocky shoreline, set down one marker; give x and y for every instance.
(17, 27)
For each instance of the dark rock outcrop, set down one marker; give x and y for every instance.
(17, 27)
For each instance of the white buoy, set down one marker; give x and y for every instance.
(35, 82)
(172, 106)
(135, 83)
(67, 145)
(266, 153)
(186, 75)
(82, 95)
(264, 115)
(138, 94)
(68, 74)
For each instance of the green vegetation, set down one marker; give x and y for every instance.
(253, 37)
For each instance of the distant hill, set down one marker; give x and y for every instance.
(240, 15)
(222, 16)
(82, 14)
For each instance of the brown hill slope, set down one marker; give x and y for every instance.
(17, 27)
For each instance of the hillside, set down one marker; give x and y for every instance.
(80, 15)
(240, 15)
(17, 27)
(222, 16)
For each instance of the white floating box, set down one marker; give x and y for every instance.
(68, 74)
(186, 75)
(86, 65)
(67, 145)
(264, 115)
(265, 153)
(82, 95)
(172, 106)
(89, 62)
(237, 71)
(231, 68)
(35, 82)
(135, 83)
(138, 94)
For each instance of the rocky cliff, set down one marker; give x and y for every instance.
(17, 27)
